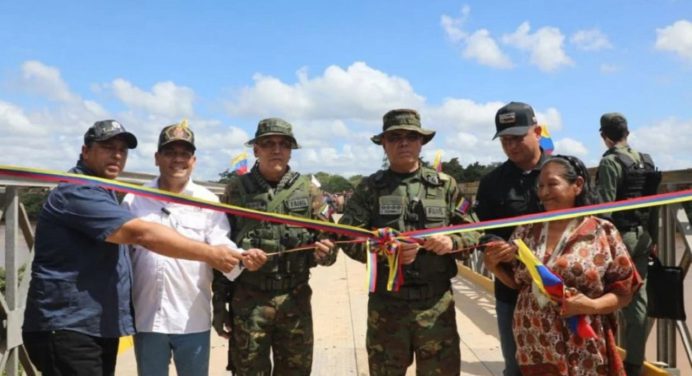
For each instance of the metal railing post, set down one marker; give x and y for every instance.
(12, 325)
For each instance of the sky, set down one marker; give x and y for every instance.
(334, 68)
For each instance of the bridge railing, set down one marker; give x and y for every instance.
(674, 225)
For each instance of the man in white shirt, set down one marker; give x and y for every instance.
(172, 297)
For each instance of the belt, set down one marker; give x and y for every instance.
(275, 282)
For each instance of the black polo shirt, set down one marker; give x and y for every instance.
(507, 191)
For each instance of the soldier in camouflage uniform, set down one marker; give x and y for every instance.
(419, 318)
(270, 308)
(624, 173)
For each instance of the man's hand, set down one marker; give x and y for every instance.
(254, 258)
(439, 244)
(323, 250)
(223, 258)
(408, 252)
(222, 321)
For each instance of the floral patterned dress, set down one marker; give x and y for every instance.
(591, 258)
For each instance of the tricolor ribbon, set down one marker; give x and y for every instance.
(345, 230)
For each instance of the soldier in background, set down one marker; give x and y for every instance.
(271, 308)
(419, 318)
(624, 173)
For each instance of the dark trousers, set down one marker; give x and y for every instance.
(65, 352)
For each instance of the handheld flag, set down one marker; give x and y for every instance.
(239, 163)
(552, 286)
(437, 162)
(546, 142)
(315, 182)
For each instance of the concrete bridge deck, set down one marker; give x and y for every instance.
(339, 309)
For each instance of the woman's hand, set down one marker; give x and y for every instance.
(497, 252)
(576, 303)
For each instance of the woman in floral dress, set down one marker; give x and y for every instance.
(598, 274)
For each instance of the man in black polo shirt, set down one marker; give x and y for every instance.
(507, 191)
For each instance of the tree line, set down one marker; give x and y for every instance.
(334, 183)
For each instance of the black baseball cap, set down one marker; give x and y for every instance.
(103, 130)
(514, 119)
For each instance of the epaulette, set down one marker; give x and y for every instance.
(292, 179)
(378, 179)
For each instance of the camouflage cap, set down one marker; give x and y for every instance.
(103, 130)
(403, 119)
(514, 119)
(274, 127)
(177, 132)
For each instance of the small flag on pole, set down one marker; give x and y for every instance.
(437, 162)
(239, 164)
(315, 182)
(546, 142)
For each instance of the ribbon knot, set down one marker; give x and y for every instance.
(386, 242)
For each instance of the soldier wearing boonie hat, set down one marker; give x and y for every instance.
(419, 318)
(274, 300)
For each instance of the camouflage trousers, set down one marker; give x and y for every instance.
(264, 322)
(398, 329)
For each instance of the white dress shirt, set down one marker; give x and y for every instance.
(171, 295)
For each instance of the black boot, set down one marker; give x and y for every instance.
(633, 369)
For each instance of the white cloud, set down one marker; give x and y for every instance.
(464, 115)
(478, 46)
(668, 141)
(552, 118)
(15, 119)
(452, 26)
(676, 38)
(570, 146)
(46, 81)
(358, 92)
(545, 46)
(590, 40)
(609, 68)
(165, 98)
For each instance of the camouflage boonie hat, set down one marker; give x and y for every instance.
(106, 129)
(177, 132)
(405, 119)
(274, 127)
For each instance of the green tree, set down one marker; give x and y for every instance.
(336, 183)
(355, 180)
(225, 176)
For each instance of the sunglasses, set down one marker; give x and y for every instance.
(399, 137)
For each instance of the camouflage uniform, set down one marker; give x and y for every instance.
(420, 318)
(270, 307)
(638, 229)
